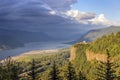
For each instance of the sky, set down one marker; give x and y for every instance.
(111, 8)
(59, 17)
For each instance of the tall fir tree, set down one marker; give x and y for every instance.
(15, 71)
(32, 74)
(54, 74)
(10, 69)
(70, 73)
(105, 70)
(81, 76)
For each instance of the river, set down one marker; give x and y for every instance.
(31, 47)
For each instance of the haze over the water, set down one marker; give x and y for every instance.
(32, 47)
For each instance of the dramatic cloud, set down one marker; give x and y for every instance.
(42, 10)
(90, 18)
(101, 20)
(82, 17)
(54, 17)
(37, 15)
(60, 5)
(28, 11)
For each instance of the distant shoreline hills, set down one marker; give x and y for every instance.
(97, 33)
(98, 49)
(10, 39)
(9, 42)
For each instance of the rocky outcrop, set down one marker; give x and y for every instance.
(90, 56)
(72, 53)
(95, 56)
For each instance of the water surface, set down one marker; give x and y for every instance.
(31, 47)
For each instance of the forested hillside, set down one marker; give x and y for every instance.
(100, 50)
(58, 66)
(110, 42)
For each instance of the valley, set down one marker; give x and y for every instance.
(82, 57)
(59, 40)
(32, 47)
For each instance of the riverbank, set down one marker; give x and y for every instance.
(36, 46)
(35, 54)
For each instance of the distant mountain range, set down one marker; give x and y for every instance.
(9, 42)
(16, 38)
(97, 33)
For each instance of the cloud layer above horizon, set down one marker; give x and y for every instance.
(48, 15)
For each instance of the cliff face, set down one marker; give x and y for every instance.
(79, 50)
(95, 56)
(90, 56)
(72, 53)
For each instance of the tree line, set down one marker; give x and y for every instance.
(11, 70)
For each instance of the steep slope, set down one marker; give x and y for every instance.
(97, 33)
(110, 43)
(98, 49)
(85, 57)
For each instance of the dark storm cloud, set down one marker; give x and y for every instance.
(60, 4)
(34, 15)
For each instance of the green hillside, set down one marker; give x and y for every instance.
(58, 65)
(110, 42)
(97, 33)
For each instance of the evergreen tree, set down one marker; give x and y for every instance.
(105, 70)
(33, 73)
(54, 74)
(70, 74)
(15, 71)
(9, 70)
(81, 76)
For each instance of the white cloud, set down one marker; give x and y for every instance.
(81, 17)
(52, 12)
(102, 20)
(78, 15)
(90, 18)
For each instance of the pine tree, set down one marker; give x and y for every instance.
(33, 73)
(9, 69)
(105, 70)
(54, 74)
(70, 74)
(81, 76)
(15, 71)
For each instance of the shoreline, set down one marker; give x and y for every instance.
(35, 52)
